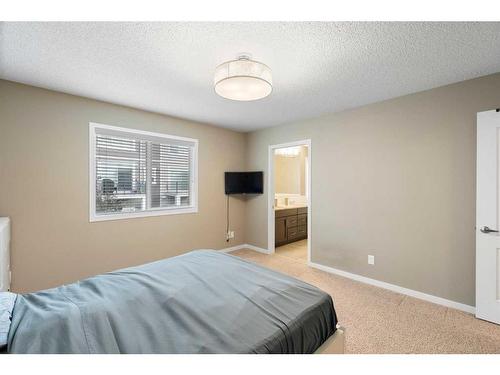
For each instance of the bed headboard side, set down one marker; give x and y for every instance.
(4, 254)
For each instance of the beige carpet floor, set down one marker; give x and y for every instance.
(381, 321)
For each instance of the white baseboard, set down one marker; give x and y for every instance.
(233, 248)
(255, 248)
(245, 246)
(396, 288)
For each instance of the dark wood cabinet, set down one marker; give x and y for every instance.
(291, 221)
(280, 230)
(290, 225)
(302, 219)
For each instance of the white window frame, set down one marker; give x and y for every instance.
(160, 211)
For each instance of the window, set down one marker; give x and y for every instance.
(134, 173)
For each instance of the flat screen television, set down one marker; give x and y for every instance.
(244, 182)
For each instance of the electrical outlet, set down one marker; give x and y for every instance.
(371, 259)
(229, 235)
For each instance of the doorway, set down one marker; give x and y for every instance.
(290, 200)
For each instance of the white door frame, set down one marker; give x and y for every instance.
(270, 189)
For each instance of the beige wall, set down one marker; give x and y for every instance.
(394, 179)
(44, 186)
(290, 173)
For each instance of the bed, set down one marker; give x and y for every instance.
(200, 302)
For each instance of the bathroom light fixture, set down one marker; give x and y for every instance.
(289, 152)
(243, 79)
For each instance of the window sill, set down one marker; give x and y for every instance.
(132, 215)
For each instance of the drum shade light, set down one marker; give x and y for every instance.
(243, 79)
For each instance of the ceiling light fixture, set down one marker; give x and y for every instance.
(243, 79)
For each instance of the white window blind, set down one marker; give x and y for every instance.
(136, 173)
(170, 175)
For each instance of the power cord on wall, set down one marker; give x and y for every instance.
(227, 218)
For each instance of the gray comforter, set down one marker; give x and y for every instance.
(200, 302)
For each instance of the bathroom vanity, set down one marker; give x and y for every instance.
(290, 225)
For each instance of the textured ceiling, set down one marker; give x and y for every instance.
(317, 67)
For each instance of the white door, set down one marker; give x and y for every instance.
(487, 217)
